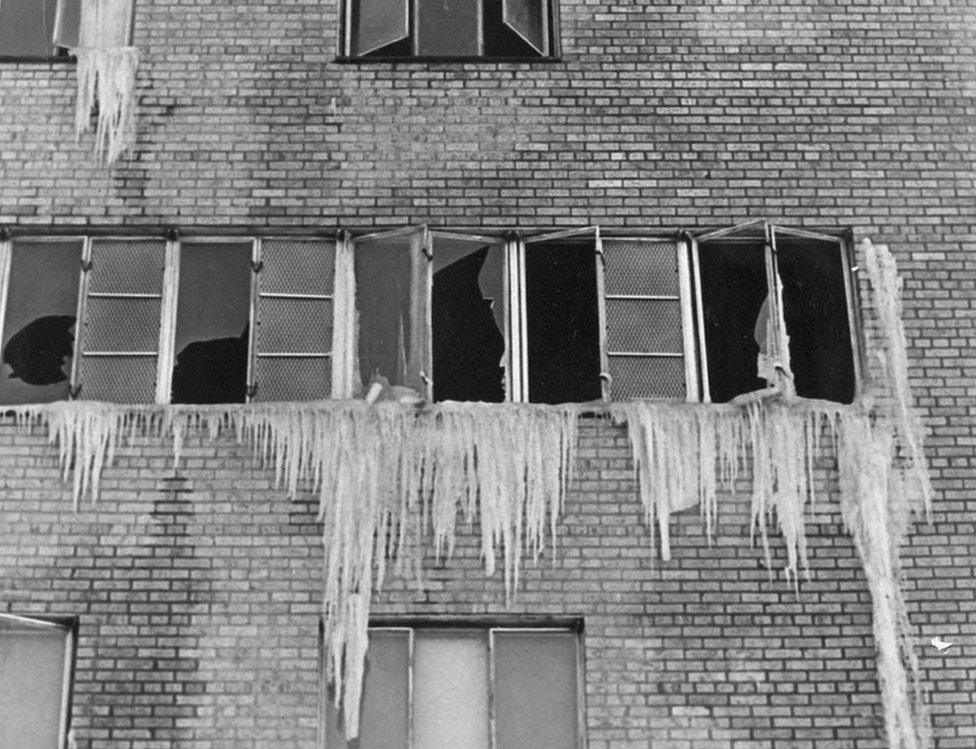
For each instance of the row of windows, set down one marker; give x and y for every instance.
(372, 28)
(566, 317)
(425, 687)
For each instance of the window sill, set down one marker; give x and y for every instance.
(345, 60)
(58, 60)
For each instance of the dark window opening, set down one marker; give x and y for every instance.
(212, 324)
(450, 28)
(37, 28)
(468, 319)
(734, 291)
(562, 321)
(817, 320)
(38, 335)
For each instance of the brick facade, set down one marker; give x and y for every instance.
(199, 598)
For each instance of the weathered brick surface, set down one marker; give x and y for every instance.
(199, 601)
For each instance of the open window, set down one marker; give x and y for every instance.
(39, 283)
(38, 28)
(449, 28)
(36, 664)
(433, 687)
(775, 310)
(557, 289)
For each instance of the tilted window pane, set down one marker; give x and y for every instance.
(66, 23)
(450, 705)
(39, 325)
(817, 316)
(733, 290)
(448, 28)
(375, 24)
(32, 674)
(122, 319)
(27, 27)
(468, 317)
(527, 18)
(212, 316)
(536, 702)
(391, 291)
(562, 321)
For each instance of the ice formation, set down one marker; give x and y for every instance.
(106, 76)
(393, 480)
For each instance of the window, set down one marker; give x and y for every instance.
(775, 311)
(449, 28)
(38, 28)
(431, 687)
(420, 314)
(37, 657)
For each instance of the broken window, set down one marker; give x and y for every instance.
(122, 312)
(212, 323)
(561, 348)
(449, 28)
(39, 315)
(775, 311)
(36, 660)
(38, 28)
(429, 687)
(293, 338)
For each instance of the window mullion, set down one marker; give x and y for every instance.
(515, 257)
(601, 303)
(167, 327)
(5, 254)
(410, 690)
(687, 321)
(86, 267)
(492, 733)
(700, 314)
(66, 687)
(252, 325)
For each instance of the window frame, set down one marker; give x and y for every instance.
(69, 626)
(344, 40)
(488, 628)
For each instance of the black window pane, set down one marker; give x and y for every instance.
(39, 327)
(734, 290)
(27, 27)
(817, 318)
(212, 323)
(448, 28)
(468, 318)
(376, 24)
(562, 320)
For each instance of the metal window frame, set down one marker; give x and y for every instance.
(488, 632)
(347, 26)
(69, 626)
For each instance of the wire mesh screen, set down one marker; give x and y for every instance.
(119, 379)
(292, 378)
(127, 266)
(643, 377)
(293, 266)
(646, 321)
(294, 326)
(640, 267)
(644, 325)
(121, 324)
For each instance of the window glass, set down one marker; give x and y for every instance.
(39, 325)
(33, 671)
(27, 27)
(817, 316)
(536, 702)
(213, 311)
(468, 317)
(562, 321)
(733, 291)
(448, 28)
(375, 25)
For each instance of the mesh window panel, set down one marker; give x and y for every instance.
(647, 377)
(639, 267)
(119, 379)
(127, 267)
(644, 325)
(122, 324)
(297, 266)
(295, 326)
(293, 379)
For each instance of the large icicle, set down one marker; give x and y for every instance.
(106, 76)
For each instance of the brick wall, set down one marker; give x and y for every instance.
(199, 601)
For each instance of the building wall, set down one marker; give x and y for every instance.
(199, 601)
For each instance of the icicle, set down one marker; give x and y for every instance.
(107, 75)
